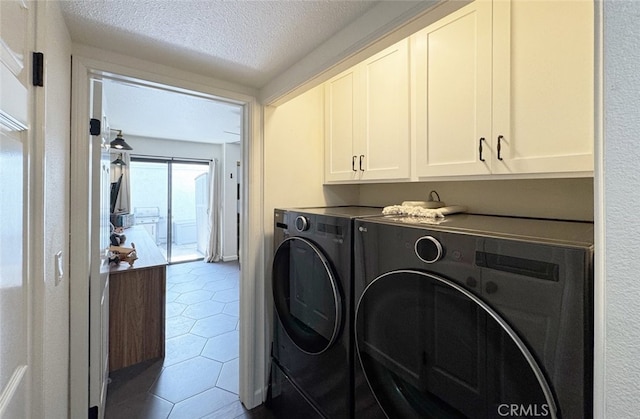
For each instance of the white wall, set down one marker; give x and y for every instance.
(156, 147)
(293, 159)
(230, 173)
(569, 199)
(54, 41)
(620, 217)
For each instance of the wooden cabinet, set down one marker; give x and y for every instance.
(367, 126)
(137, 304)
(506, 87)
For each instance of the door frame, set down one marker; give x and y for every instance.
(253, 337)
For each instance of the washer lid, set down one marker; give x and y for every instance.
(431, 349)
(306, 295)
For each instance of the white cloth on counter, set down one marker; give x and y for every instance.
(416, 211)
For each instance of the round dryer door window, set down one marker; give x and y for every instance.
(431, 349)
(306, 295)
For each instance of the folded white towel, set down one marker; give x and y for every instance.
(422, 212)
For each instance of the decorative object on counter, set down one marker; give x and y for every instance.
(430, 203)
(117, 238)
(416, 211)
(124, 254)
(113, 258)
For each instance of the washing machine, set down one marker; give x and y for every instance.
(473, 317)
(312, 279)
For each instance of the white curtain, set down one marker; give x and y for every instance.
(123, 203)
(214, 245)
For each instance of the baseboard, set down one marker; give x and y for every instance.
(229, 258)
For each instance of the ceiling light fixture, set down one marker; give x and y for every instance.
(119, 161)
(119, 143)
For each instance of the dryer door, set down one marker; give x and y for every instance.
(306, 295)
(431, 349)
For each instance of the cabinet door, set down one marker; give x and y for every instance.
(385, 149)
(543, 85)
(452, 79)
(340, 128)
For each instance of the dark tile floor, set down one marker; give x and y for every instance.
(198, 378)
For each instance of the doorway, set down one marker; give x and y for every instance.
(176, 138)
(252, 349)
(170, 199)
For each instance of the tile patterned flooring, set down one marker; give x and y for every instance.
(198, 377)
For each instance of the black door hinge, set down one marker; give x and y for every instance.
(94, 126)
(93, 412)
(38, 69)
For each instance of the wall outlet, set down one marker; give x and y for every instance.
(59, 268)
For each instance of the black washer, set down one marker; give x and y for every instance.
(312, 280)
(473, 317)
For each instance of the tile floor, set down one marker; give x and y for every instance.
(198, 377)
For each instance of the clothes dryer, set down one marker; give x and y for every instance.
(473, 317)
(312, 290)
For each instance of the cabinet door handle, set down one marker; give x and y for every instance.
(361, 157)
(480, 148)
(353, 163)
(500, 138)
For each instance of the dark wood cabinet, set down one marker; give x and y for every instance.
(137, 304)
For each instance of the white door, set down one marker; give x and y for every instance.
(16, 45)
(99, 275)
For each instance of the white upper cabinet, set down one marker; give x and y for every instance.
(367, 125)
(451, 70)
(340, 121)
(506, 87)
(543, 94)
(501, 88)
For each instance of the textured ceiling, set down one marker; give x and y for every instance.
(246, 42)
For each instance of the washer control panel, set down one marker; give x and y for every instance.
(428, 249)
(302, 223)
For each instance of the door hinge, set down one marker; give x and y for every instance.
(94, 126)
(93, 412)
(38, 69)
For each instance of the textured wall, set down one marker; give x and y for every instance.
(57, 88)
(621, 203)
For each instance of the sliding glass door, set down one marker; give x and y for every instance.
(189, 202)
(170, 199)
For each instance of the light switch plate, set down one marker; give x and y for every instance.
(59, 266)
